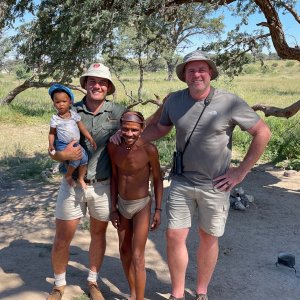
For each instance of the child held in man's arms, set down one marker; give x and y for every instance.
(65, 127)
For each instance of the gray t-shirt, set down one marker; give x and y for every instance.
(101, 126)
(208, 153)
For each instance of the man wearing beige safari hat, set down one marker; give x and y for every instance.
(100, 71)
(204, 119)
(101, 118)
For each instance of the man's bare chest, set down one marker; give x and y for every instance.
(131, 159)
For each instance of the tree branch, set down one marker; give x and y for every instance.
(153, 101)
(278, 112)
(273, 23)
(121, 81)
(221, 2)
(292, 11)
(29, 83)
(276, 31)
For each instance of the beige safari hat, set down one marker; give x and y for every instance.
(196, 55)
(98, 70)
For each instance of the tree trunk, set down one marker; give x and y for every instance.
(277, 34)
(141, 69)
(171, 68)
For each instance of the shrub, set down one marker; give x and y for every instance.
(166, 146)
(250, 69)
(22, 73)
(283, 146)
(266, 69)
(290, 63)
(288, 147)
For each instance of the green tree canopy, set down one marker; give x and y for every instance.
(65, 35)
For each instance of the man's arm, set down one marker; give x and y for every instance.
(155, 117)
(154, 132)
(261, 135)
(71, 152)
(114, 215)
(157, 184)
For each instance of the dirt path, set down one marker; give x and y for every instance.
(248, 250)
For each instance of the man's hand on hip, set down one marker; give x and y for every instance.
(230, 179)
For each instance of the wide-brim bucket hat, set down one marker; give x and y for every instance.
(98, 70)
(193, 56)
(60, 87)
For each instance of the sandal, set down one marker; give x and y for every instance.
(201, 297)
(174, 298)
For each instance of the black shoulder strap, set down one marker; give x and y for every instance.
(206, 103)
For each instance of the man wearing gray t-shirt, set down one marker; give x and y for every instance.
(204, 119)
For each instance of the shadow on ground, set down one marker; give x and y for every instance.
(248, 250)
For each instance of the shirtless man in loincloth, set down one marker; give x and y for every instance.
(132, 165)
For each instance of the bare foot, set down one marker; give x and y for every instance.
(82, 183)
(70, 181)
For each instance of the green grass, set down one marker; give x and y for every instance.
(24, 123)
(277, 87)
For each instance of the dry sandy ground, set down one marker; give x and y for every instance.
(248, 250)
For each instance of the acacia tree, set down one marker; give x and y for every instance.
(65, 35)
(133, 45)
(180, 23)
(59, 42)
(118, 10)
(136, 42)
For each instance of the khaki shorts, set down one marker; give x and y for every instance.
(212, 207)
(72, 203)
